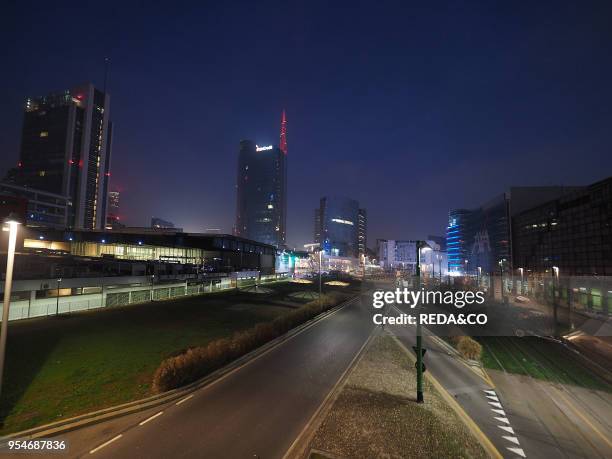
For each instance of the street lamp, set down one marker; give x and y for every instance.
(522, 271)
(501, 278)
(478, 275)
(59, 280)
(320, 260)
(13, 222)
(555, 270)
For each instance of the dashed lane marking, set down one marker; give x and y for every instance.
(184, 399)
(106, 443)
(151, 418)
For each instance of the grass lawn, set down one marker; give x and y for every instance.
(59, 367)
(540, 359)
(376, 414)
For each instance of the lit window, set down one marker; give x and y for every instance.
(41, 173)
(270, 206)
(44, 133)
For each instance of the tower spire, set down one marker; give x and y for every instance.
(283, 133)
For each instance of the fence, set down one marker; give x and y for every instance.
(112, 296)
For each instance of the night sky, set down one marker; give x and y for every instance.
(412, 110)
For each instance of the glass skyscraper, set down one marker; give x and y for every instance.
(340, 227)
(66, 150)
(261, 207)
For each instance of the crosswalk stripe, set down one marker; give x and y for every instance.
(518, 451)
(512, 439)
(507, 429)
(504, 420)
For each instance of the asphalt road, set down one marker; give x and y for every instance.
(467, 388)
(256, 411)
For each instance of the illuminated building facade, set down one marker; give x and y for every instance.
(573, 233)
(41, 209)
(481, 237)
(397, 254)
(212, 253)
(66, 150)
(261, 191)
(340, 227)
(112, 215)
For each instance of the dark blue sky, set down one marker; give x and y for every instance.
(411, 109)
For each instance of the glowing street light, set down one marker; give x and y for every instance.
(12, 221)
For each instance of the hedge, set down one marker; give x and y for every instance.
(197, 362)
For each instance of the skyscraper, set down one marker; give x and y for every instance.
(112, 215)
(261, 190)
(66, 149)
(340, 227)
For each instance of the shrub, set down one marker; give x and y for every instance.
(469, 348)
(196, 362)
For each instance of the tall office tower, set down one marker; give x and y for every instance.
(261, 207)
(362, 232)
(66, 149)
(112, 215)
(339, 223)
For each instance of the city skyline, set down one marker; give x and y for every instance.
(364, 112)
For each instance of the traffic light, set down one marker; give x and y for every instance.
(423, 350)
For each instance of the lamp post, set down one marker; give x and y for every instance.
(522, 271)
(419, 338)
(501, 279)
(12, 221)
(555, 272)
(320, 288)
(59, 280)
(478, 274)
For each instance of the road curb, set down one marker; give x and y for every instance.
(95, 417)
(299, 447)
(484, 441)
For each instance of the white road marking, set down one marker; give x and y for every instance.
(502, 412)
(518, 451)
(507, 429)
(151, 418)
(106, 443)
(504, 420)
(493, 397)
(490, 392)
(512, 439)
(184, 399)
(496, 405)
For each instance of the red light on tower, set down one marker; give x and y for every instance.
(283, 133)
